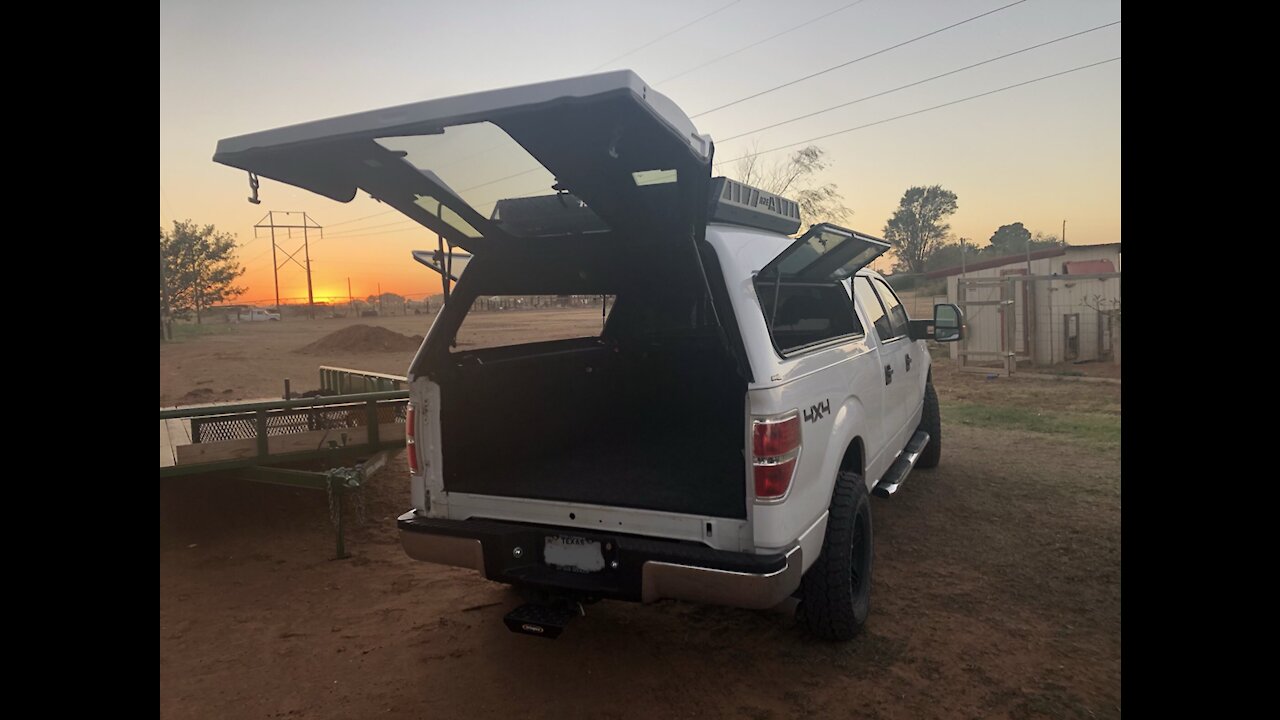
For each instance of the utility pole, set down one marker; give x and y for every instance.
(275, 264)
(351, 301)
(311, 300)
(269, 222)
(379, 298)
(1064, 232)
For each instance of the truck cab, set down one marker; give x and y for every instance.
(257, 315)
(716, 438)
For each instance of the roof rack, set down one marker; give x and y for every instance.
(729, 202)
(738, 204)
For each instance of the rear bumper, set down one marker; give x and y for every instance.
(637, 569)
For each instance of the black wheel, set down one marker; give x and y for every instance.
(835, 594)
(931, 422)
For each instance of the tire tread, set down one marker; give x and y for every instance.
(931, 422)
(828, 608)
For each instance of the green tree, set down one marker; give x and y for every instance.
(200, 267)
(794, 179)
(1041, 241)
(1008, 239)
(947, 255)
(917, 228)
(1013, 239)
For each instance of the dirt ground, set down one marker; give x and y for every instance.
(221, 362)
(996, 588)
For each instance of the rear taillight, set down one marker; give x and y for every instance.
(775, 450)
(409, 443)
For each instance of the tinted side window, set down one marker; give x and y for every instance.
(871, 304)
(807, 313)
(897, 313)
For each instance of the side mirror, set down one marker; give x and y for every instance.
(948, 323)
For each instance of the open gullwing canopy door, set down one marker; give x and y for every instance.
(601, 154)
(825, 254)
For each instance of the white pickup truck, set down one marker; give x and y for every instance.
(716, 437)
(255, 315)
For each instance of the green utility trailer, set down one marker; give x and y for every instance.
(282, 442)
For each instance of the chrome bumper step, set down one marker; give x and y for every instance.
(546, 620)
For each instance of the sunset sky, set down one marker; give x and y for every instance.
(1039, 154)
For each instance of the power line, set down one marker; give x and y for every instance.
(491, 148)
(856, 60)
(357, 231)
(366, 217)
(167, 206)
(904, 115)
(363, 232)
(925, 110)
(416, 226)
(758, 42)
(918, 82)
(615, 59)
(695, 21)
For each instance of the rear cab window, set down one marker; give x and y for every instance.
(807, 315)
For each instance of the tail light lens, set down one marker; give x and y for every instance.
(409, 442)
(775, 449)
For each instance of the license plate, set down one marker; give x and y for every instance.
(575, 554)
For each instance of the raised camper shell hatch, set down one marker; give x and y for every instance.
(826, 253)
(623, 150)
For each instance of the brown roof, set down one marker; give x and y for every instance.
(996, 262)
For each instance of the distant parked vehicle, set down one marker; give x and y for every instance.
(256, 315)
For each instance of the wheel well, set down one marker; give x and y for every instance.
(852, 460)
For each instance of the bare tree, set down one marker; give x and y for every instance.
(917, 228)
(1107, 306)
(795, 178)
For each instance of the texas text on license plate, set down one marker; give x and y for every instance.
(575, 554)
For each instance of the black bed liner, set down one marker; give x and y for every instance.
(647, 427)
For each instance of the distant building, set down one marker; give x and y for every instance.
(1069, 260)
(1060, 315)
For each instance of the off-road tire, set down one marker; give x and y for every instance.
(836, 591)
(931, 422)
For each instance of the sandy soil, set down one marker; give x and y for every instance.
(997, 591)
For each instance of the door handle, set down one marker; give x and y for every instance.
(888, 374)
(908, 363)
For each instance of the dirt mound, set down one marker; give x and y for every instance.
(362, 338)
(201, 395)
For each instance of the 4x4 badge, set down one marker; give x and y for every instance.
(815, 412)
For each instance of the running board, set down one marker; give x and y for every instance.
(898, 471)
